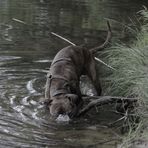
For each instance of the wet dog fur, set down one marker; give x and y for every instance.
(62, 86)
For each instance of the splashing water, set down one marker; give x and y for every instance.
(63, 118)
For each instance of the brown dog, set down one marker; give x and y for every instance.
(62, 85)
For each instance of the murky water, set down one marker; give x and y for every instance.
(26, 51)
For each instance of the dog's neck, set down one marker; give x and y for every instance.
(59, 60)
(59, 85)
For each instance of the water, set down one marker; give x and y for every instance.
(26, 51)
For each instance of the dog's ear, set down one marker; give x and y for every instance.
(72, 97)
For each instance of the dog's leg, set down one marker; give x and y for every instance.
(92, 73)
(47, 91)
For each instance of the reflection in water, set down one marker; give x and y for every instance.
(26, 51)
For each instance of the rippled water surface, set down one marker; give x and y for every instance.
(26, 51)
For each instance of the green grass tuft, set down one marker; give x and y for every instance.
(131, 63)
(130, 79)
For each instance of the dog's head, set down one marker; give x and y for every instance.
(64, 104)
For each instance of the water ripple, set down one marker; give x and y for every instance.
(30, 86)
(25, 101)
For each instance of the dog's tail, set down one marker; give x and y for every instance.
(108, 38)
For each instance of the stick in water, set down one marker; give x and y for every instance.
(17, 20)
(63, 38)
(97, 59)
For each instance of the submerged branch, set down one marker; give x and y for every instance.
(102, 100)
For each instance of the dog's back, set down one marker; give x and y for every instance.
(71, 62)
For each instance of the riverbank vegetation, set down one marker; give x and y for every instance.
(130, 79)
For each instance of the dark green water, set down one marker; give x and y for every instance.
(26, 50)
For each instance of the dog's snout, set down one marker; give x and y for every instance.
(61, 111)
